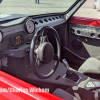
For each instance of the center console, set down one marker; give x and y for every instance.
(70, 75)
(63, 76)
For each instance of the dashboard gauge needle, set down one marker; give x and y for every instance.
(29, 28)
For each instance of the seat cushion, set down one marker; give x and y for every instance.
(63, 94)
(82, 94)
(91, 65)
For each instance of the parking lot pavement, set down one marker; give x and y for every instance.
(29, 6)
(87, 10)
(47, 6)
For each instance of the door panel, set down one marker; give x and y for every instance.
(84, 37)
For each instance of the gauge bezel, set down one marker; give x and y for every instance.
(2, 36)
(26, 26)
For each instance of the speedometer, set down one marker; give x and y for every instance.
(30, 26)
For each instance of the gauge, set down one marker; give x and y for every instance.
(1, 36)
(30, 26)
(16, 40)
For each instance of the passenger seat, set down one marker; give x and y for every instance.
(91, 65)
(63, 94)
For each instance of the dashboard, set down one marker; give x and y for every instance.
(16, 35)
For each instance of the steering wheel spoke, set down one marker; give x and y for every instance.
(40, 64)
(43, 39)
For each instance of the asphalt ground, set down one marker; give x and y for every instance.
(30, 7)
(46, 6)
(87, 10)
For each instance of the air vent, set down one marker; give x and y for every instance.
(57, 18)
(45, 20)
(36, 23)
(53, 18)
(40, 21)
(50, 19)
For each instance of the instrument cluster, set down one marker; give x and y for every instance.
(12, 36)
(17, 32)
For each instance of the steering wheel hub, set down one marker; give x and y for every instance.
(45, 52)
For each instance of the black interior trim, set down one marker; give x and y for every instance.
(75, 54)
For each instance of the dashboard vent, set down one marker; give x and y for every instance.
(40, 21)
(45, 20)
(57, 18)
(50, 19)
(53, 18)
(36, 23)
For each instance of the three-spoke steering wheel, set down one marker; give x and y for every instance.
(44, 52)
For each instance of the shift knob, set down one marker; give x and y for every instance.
(71, 75)
(66, 64)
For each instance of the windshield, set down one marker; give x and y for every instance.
(34, 7)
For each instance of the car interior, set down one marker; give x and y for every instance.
(55, 51)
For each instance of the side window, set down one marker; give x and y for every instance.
(90, 9)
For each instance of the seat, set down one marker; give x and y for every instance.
(91, 65)
(63, 94)
(84, 94)
(77, 93)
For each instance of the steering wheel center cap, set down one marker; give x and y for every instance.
(45, 52)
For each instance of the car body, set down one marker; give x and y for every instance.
(37, 46)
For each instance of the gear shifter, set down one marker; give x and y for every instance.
(71, 75)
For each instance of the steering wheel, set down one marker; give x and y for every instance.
(44, 52)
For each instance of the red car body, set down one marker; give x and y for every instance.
(8, 81)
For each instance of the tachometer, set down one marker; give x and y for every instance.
(30, 26)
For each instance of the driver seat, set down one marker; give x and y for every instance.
(91, 66)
